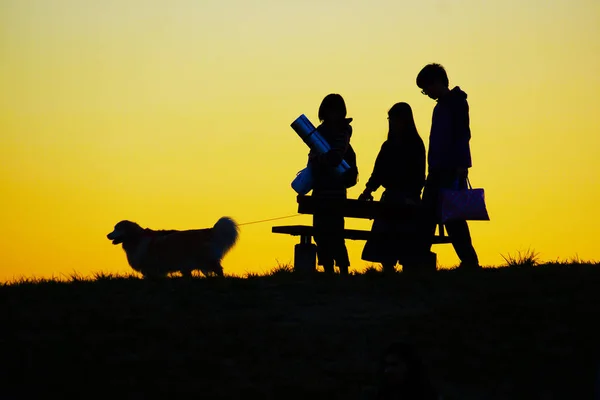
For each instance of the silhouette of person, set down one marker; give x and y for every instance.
(402, 375)
(449, 156)
(329, 228)
(400, 169)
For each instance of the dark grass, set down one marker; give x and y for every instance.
(526, 331)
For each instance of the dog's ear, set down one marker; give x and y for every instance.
(125, 224)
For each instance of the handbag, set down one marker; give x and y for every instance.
(463, 204)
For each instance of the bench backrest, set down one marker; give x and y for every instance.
(353, 208)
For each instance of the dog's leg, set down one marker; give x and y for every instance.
(212, 268)
(217, 268)
(187, 268)
(154, 275)
(186, 273)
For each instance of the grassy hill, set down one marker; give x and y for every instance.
(506, 333)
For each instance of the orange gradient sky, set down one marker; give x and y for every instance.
(174, 113)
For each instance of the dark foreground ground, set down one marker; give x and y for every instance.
(508, 333)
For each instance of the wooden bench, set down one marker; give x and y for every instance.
(305, 251)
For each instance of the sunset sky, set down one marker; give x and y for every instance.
(175, 113)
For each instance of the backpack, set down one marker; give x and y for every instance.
(350, 177)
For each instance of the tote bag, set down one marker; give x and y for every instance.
(463, 205)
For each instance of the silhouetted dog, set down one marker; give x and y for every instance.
(156, 253)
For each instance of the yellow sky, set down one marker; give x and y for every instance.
(174, 113)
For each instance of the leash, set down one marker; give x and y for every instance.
(269, 219)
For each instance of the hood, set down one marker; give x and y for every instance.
(456, 94)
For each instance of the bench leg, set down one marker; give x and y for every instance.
(442, 233)
(305, 256)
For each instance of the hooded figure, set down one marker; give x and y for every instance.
(449, 157)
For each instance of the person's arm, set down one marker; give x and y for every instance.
(441, 146)
(375, 179)
(338, 145)
(461, 137)
(378, 170)
(421, 162)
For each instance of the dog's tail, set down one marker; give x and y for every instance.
(225, 235)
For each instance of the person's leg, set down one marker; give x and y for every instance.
(396, 231)
(415, 257)
(429, 212)
(339, 244)
(379, 248)
(417, 232)
(335, 233)
(344, 269)
(388, 267)
(322, 240)
(459, 233)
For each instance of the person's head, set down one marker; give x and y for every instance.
(332, 109)
(401, 122)
(433, 81)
